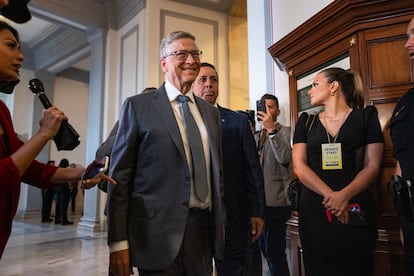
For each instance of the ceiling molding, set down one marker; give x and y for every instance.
(216, 5)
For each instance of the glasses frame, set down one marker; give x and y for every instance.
(183, 54)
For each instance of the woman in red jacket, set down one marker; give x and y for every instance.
(17, 162)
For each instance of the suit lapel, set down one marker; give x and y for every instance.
(161, 104)
(224, 116)
(205, 114)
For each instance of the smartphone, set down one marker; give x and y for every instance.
(96, 168)
(261, 106)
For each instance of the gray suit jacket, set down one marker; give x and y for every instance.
(277, 167)
(149, 204)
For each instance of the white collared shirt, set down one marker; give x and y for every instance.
(172, 94)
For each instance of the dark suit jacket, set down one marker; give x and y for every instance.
(149, 205)
(243, 179)
(105, 149)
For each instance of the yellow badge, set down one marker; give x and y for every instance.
(331, 156)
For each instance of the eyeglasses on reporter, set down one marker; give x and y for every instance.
(183, 54)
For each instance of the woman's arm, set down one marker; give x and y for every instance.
(49, 126)
(306, 175)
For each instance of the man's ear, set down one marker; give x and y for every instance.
(163, 65)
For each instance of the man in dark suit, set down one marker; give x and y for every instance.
(156, 220)
(243, 184)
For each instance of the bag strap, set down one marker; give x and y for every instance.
(309, 121)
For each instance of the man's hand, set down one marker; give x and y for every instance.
(256, 228)
(119, 263)
(89, 183)
(266, 120)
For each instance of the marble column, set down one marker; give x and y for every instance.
(92, 205)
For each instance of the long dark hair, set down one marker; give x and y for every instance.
(350, 83)
(6, 26)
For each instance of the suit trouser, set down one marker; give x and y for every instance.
(47, 197)
(273, 240)
(62, 206)
(195, 255)
(241, 257)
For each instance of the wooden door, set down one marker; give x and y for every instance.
(386, 71)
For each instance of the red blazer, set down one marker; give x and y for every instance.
(37, 174)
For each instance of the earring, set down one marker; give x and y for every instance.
(332, 93)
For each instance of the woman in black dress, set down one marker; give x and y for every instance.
(337, 156)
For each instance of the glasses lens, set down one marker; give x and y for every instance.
(196, 54)
(181, 54)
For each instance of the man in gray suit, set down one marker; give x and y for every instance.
(156, 220)
(275, 158)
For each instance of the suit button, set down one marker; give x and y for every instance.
(185, 204)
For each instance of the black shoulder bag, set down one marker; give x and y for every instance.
(295, 186)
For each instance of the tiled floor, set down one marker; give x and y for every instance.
(39, 249)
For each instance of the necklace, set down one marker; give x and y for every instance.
(330, 120)
(326, 126)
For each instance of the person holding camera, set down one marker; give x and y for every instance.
(275, 159)
(402, 133)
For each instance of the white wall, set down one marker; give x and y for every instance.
(282, 16)
(23, 105)
(72, 98)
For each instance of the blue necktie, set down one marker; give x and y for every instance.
(197, 152)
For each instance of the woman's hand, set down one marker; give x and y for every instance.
(337, 203)
(51, 121)
(343, 217)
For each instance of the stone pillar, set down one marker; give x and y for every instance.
(92, 207)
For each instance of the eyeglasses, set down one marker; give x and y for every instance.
(183, 55)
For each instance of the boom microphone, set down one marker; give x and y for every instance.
(67, 138)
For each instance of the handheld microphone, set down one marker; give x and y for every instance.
(67, 138)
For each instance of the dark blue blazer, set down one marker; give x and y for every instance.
(243, 177)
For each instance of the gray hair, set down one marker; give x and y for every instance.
(171, 37)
